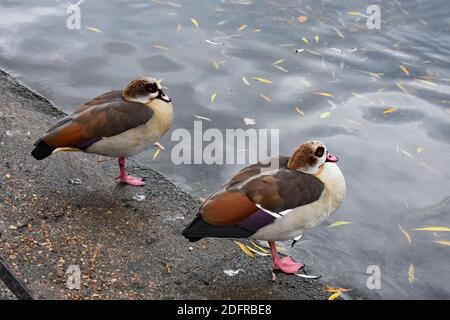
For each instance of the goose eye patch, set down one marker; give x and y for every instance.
(319, 152)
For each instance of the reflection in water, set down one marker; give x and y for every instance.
(386, 91)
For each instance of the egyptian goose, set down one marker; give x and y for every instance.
(279, 204)
(120, 124)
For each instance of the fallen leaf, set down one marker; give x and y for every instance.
(249, 121)
(216, 65)
(222, 22)
(94, 29)
(302, 19)
(411, 277)
(405, 233)
(265, 97)
(213, 97)
(257, 252)
(202, 118)
(419, 150)
(305, 40)
(325, 114)
(434, 229)
(334, 296)
(194, 22)
(324, 94)
(259, 247)
(299, 111)
(156, 154)
(242, 27)
(263, 80)
(317, 38)
(389, 110)
(354, 13)
(279, 68)
(278, 61)
(442, 242)
(244, 79)
(405, 70)
(336, 292)
(339, 223)
(157, 46)
(245, 249)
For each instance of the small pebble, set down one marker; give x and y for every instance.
(139, 197)
(75, 181)
(190, 248)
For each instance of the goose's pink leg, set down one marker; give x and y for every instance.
(286, 264)
(125, 178)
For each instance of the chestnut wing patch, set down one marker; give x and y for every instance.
(286, 189)
(105, 116)
(234, 211)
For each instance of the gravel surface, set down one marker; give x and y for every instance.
(68, 210)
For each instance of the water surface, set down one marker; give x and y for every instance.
(389, 125)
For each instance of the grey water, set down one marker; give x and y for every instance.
(379, 99)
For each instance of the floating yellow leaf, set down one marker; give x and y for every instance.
(194, 22)
(324, 94)
(411, 276)
(299, 111)
(419, 150)
(157, 46)
(305, 40)
(279, 68)
(434, 229)
(216, 65)
(325, 114)
(242, 27)
(355, 13)
(405, 233)
(245, 249)
(244, 79)
(317, 38)
(389, 110)
(302, 19)
(202, 118)
(156, 154)
(94, 29)
(339, 223)
(213, 97)
(265, 97)
(278, 61)
(442, 242)
(405, 70)
(263, 80)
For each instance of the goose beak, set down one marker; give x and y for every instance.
(331, 157)
(164, 97)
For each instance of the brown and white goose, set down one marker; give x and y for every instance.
(280, 204)
(120, 124)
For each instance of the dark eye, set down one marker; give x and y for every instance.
(319, 152)
(152, 87)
